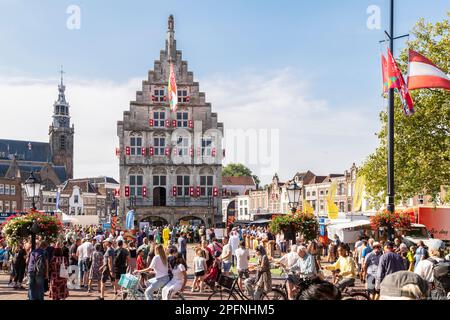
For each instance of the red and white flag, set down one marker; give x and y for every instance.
(424, 74)
(173, 93)
(396, 81)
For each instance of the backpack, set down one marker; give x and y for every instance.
(441, 275)
(39, 265)
(120, 258)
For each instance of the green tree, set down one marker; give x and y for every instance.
(238, 170)
(422, 141)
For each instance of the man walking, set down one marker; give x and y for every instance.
(390, 262)
(182, 245)
(370, 267)
(38, 272)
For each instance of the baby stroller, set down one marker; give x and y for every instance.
(214, 272)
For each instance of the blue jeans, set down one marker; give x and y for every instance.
(36, 291)
(226, 266)
(82, 267)
(155, 284)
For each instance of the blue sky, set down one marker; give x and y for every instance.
(324, 43)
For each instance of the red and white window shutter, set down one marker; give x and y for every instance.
(174, 191)
(127, 151)
(198, 191)
(144, 151)
(151, 151)
(127, 191)
(151, 122)
(144, 192)
(191, 191)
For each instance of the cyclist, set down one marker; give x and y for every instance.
(305, 267)
(288, 261)
(160, 268)
(179, 278)
(345, 266)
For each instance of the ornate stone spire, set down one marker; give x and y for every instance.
(171, 46)
(62, 88)
(61, 116)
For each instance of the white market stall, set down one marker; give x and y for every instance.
(80, 220)
(348, 232)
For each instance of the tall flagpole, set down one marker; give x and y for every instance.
(390, 163)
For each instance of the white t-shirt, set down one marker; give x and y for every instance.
(425, 269)
(178, 272)
(289, 259)
(242, 258)
(234, 242)
(225, 251)
(99, 238)
(199, 264)
(85, 250)
(161, 270)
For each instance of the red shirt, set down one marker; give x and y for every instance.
(140, 264)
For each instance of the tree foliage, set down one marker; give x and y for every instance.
(238, 170)
(422, 141)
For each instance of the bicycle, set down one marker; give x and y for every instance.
(349, 292)
(228, 289)
(135, 290)
(303, 283)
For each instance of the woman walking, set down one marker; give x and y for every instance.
(263, 281)
(58, 285)
(133, 256)
(200, 269)
(94, 272)
(19, 265)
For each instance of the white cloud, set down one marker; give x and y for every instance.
(313, 134)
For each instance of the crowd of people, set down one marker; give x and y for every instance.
(95, 260)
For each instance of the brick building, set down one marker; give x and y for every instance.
(170, 162)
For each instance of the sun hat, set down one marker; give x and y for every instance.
(403, 285)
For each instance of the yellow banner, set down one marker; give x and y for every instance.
(358, 195)
(308, 208)
(333, 210)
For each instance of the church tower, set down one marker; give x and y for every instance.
(61, 133)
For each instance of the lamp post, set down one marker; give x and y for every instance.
(293, 191)
(32, 188)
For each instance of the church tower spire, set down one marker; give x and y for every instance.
(61, 116)
(171, 43)
(60, 132)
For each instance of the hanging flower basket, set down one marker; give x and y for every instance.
(19, 228)
(301, 222)
(385, 219)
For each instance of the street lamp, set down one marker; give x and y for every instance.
(33, 187)
(293, 191)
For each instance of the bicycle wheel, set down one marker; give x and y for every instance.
(222, 295)
(359, 296)
(274, 294)
(121, 295)
(178, 296)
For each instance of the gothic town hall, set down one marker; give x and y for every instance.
(171, 161)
